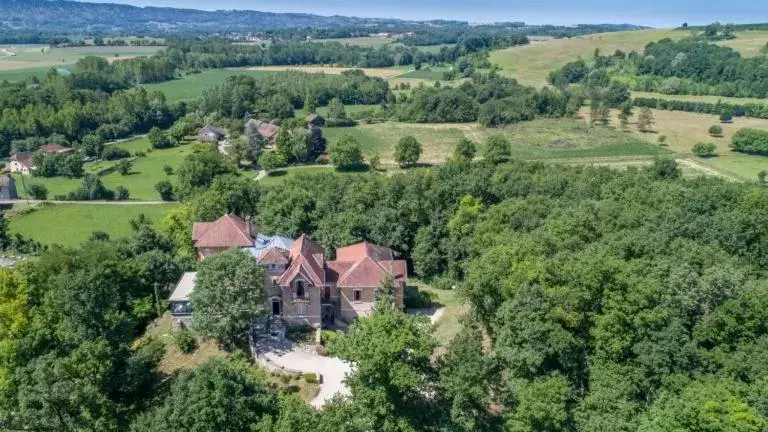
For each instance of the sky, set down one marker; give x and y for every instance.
(655, 13)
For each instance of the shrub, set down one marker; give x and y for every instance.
(38, 191)
(716, 130)
(310, 378)
(185, 341)
(165, 189)
(285, 378)
(328, 337)
(497, 149)
(726, 116)
(271, 160)
(749, 140)
(124, 167)
(121, 193)
(167, 169)
(662, 140)
(704, 149)
(114, 153)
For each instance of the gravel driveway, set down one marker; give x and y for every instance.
(333, 370)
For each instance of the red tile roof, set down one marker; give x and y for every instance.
(307, 259)
(54, 148)
(24, 158)
(357, 252)
(228, 231)
(273, 255)
(267, 130)
(366, 265)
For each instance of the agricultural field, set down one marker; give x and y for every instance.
(531, 63)
(19, 61)
(363, 41)
(71, 224)
(191, 86)
(538, 139)
(428, 73)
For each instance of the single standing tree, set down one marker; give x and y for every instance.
(271, 160)
(374, 161)
(625, 112)
(165, 189)
(726, 116)
(715, 130)
(229, 293)
(159, 139)
(465, 150)
(336, 110)
(407, 151)
(497, 148)
(762, 175)
(124, 167)
(644, 120)
(345, 153)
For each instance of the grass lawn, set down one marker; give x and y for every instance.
(538, 139)
(148, 170)
(279, 176)
(192, 86)
(350, 109)
(174, 360)
(71, 224)
(531, 63)
(448, 324)
(738, 164)
(22, 74)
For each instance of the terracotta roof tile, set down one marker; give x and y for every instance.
(54, 148)
(273, 255)
(227, 231)
(357, 252)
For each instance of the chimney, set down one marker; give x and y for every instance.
(248, 226)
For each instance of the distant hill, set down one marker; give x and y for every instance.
(64, 16)
(70, 17)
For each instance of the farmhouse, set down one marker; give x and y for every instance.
(7, 188)
(265, 129)
(20, 163)
(210, 134)
(302, 287)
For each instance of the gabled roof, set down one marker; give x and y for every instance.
(24, 158)
(184, 287)
(267, 130)
(307, 259)
(369, 273)
(228, 231)
(54, 148)
(357, 252)
(211, 129)
(274, 255)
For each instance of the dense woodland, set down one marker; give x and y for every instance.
(610, 301)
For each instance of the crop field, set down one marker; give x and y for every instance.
(30, 56)
(531, 64)
(191, 86)
(538, 139)
(71, 224)
(364, 41)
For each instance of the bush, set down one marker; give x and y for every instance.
(328, 337)
(726, 116)
(311, 378)
(419, 300)
(497, 149)
(716, 130)
(121, 193)
(185, 341)
(751, 141)
(285, 379)
(704, 149)
(271, 160)
(114, 153)
(37, 191)
(91, 188)
(124, 167)
(167, 169)
(165, 189)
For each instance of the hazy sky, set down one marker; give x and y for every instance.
(657, 13)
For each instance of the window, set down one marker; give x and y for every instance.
(275, 307)
(206, 252)
(376, 294)
(300, 289)
(301, 309)
(357, 295)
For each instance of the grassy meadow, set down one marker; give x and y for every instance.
(71, 224)
(538, 139)
(531, 63)
(748, 43)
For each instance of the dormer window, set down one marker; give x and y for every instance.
(300, 289)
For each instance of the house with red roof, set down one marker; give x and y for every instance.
(302, 286)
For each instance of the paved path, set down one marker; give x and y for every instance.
(333, 370)
(260, 175)
(433, 313)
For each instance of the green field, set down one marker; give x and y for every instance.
(71, 224)
(429, 73)
(538, 139)
(192, 86)
(146, 172)
(363, 41)
(748, 43)
(278, 176)
(22, 74)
